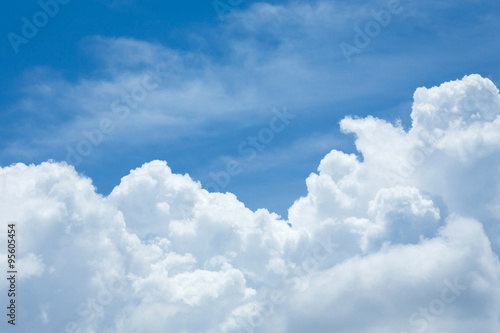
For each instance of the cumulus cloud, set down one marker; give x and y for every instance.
(401, 237)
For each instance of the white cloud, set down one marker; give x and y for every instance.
(378, 238)
(32, 265)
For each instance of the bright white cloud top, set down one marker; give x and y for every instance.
(402, 238)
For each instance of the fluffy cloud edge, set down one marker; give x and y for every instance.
(161, 245)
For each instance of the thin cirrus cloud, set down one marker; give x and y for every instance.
(404, 240)
(258, 58)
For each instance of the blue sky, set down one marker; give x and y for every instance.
(233, 70)
(140, 140)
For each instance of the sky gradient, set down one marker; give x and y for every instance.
(223, 76)
(282, 166)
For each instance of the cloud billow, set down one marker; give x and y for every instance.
(403, 240)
